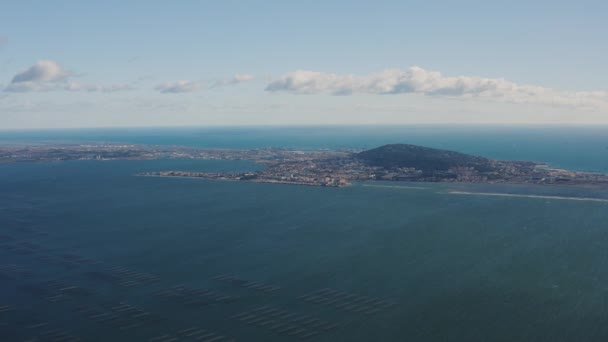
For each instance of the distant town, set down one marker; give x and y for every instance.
(332, 168)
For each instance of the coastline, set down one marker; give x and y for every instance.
(268, 181)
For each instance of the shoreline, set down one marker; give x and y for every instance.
(395, 186)
(269, 181)
(462, 193)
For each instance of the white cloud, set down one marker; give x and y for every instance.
(42, 71)
(42, 76)
(77, 86)
(26, 87)
(420, 81)
(182, 86)
(240, 78)
(48, 75)
(236, 79)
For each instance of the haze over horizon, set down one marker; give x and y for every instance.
(116, 64)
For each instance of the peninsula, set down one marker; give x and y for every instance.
(334, 168)
(399, 162)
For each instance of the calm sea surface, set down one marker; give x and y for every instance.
(81, 240)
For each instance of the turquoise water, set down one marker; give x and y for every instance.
(452, 267)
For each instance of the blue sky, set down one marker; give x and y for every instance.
(155, 63)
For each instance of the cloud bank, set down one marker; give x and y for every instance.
(181, 86)
(416, 80)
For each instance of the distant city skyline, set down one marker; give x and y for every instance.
(71, 64)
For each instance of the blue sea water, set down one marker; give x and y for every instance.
(432, 266)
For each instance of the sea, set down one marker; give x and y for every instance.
(91, 252)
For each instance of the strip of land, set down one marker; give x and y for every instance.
(394, 187)
(334, 168)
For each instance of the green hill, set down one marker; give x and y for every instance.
(422, 158)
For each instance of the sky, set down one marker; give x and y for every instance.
(67, 64)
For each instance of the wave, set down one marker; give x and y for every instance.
(529, 196)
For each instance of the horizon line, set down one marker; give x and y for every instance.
(331, 125)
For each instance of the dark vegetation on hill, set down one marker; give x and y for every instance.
(422, 158)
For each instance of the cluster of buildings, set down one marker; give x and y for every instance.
(312, 167)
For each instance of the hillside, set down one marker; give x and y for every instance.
(422, 158)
